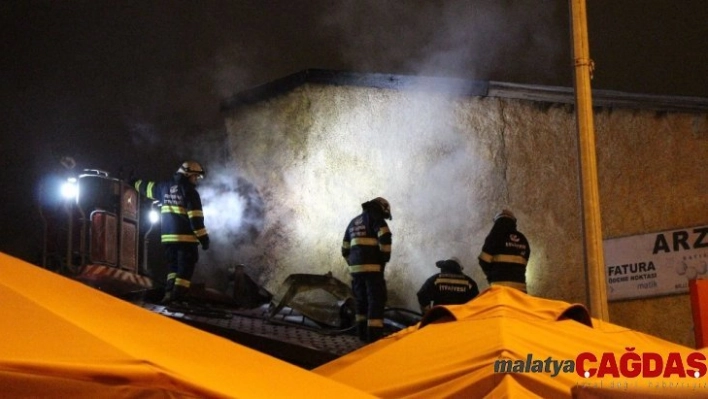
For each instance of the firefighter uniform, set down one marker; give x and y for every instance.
(367, 248)
(505, 253)
(182, 226)
(449, 287)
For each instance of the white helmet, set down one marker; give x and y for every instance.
(191, 168)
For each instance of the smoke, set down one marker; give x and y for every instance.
(424, 166)
(412, 148)
(417, 158)
(233, 209)
(227, 70)
(143, 134)
(233, 215)
(482, 39)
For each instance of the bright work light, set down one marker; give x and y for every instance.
(154, 216)
(69, 189)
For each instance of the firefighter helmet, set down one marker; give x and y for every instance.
(191, 168)
(450, 264)
(505, 213)
(384, 206)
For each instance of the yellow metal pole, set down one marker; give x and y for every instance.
(594, 259)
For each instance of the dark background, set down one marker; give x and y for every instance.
(135, 86)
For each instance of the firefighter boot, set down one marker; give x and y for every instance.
(179, 294)
(375, 334)
(169, 287)
(361, 331)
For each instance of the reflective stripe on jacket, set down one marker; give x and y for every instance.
(181, 208)
(367, 244)
(505, 253)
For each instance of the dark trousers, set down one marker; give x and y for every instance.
(370, 294)
(180, 259)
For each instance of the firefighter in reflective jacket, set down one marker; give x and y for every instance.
(182, 225)
(505, 253)
(367, 249)
(449, 287)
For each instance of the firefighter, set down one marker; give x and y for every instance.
(449, 287)
(367, 249)
(182, 226)
(505, 253)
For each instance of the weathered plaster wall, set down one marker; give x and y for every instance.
(652, 171)
(447, 164)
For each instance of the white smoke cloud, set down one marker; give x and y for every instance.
(476, 39)
(480, 39)
(233, 213)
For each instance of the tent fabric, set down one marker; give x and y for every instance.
(543, 309)
(61, 338)
(452, 352)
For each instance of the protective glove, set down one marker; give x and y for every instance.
(205, 243)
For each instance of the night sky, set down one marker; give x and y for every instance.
(136, 85)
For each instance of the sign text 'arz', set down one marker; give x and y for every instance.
(682, 239)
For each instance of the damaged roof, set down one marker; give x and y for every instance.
(463, 87)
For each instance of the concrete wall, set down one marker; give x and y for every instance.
(447, 164)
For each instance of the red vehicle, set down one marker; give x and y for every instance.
(92, 235)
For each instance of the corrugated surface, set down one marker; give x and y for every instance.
(292, 339)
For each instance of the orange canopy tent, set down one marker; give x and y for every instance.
(61, 338)
(505, 343)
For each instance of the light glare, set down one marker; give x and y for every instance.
(154, 216)
(69, 189)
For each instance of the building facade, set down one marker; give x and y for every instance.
(448, 154)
